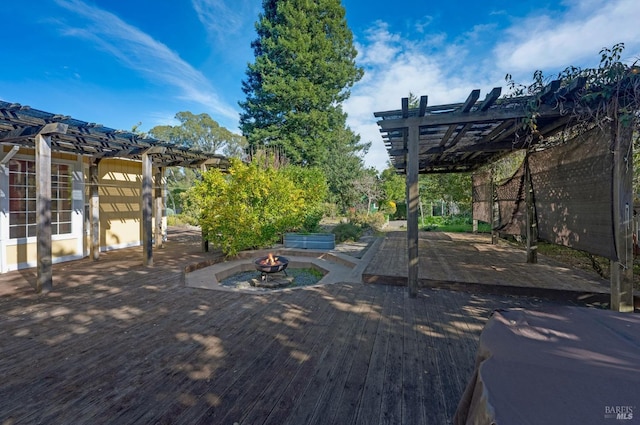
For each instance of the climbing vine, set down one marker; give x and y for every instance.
(609, 91)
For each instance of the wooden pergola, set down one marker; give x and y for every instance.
(462, 137)
(44, 132)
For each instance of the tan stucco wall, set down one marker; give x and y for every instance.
(26, 253)
(120, 203)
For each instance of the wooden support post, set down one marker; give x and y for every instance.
(44, 274)
(159, 207)
(531, 221)
(622, 269)
(204, 243)
(147, 210)
(494, 212)
(94, 209)
(44, 280)
(412, 209)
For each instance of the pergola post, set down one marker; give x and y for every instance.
(204, 243)
(412, 209)
(44, 274)
(147, 203)
(622, 269)
(94, 210)
(44, 280)
(147, 211)
(531, 223)
(159, 206)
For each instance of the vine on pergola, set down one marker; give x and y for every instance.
(609, 92)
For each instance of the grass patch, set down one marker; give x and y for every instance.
(456, 224)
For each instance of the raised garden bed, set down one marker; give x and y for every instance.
(310, 240)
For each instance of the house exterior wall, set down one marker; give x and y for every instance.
(120, 211)
(120, 183)
(20, 252)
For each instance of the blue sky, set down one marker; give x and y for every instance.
(119, 63)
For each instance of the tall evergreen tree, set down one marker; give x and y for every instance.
(304, 69)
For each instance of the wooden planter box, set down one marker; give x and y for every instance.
(310, 240)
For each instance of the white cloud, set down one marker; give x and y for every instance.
(571, 38)
(395, 67)
(447, 72)
(225, 22)
(140, 52)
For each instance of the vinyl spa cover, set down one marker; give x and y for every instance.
(565, 365)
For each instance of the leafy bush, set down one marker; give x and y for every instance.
(250, 206)
(388, 208)
(313, 189)
(180, 220)
(347, 232)
(330, 209)
(375, 221)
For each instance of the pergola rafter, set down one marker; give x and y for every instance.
(19, 125)
(489, 128)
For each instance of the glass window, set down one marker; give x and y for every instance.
(22, 199)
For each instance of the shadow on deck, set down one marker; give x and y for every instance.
(116, 342)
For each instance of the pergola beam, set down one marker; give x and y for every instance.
(490, 115)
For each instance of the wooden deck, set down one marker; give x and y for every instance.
(464, 261)
(118, 343)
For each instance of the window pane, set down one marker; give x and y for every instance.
(64, 193)
(64, 216)
(64, 228)
(65, 204)
(17, 232)
(16, 218)
(22, 198)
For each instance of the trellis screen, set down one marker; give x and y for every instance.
(572, 185)
(482, 196)
(572, 190)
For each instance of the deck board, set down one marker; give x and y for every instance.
(117, 342)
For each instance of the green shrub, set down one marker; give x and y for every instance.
(375, 221)
(330, 209)
(347, 232)
(181, 220)
(251, 207)
(401, 211)
(453, 223)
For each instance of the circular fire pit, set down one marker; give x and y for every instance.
(271, 264)
(268, 265)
